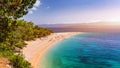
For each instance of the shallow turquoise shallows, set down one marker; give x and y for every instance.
(90, 50)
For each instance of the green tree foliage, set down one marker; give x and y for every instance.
(29, 31)
(7, 25)
(12, 9)
(5, 50)
(18, 62)
(25, 28)
(15, 8)
(41, 32)
(25, 31)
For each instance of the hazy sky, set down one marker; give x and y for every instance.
(74, 11)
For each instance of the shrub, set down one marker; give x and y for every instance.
(18, 61)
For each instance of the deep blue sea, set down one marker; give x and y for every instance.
(89, 50)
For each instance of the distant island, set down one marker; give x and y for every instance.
(106, 27)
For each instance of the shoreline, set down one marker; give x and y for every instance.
(34, 50)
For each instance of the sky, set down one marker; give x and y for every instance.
(74, 11)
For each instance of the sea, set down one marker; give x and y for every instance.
(88, 50)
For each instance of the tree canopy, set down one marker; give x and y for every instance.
(10, 11)
(15, 8)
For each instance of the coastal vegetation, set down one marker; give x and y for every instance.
(14, 32)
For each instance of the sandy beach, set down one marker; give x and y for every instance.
(37, 48)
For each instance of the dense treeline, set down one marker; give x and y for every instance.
(23, 31)
(31, 30)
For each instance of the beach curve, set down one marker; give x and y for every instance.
(34, 50)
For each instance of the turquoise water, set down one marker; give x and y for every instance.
(90, 50)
